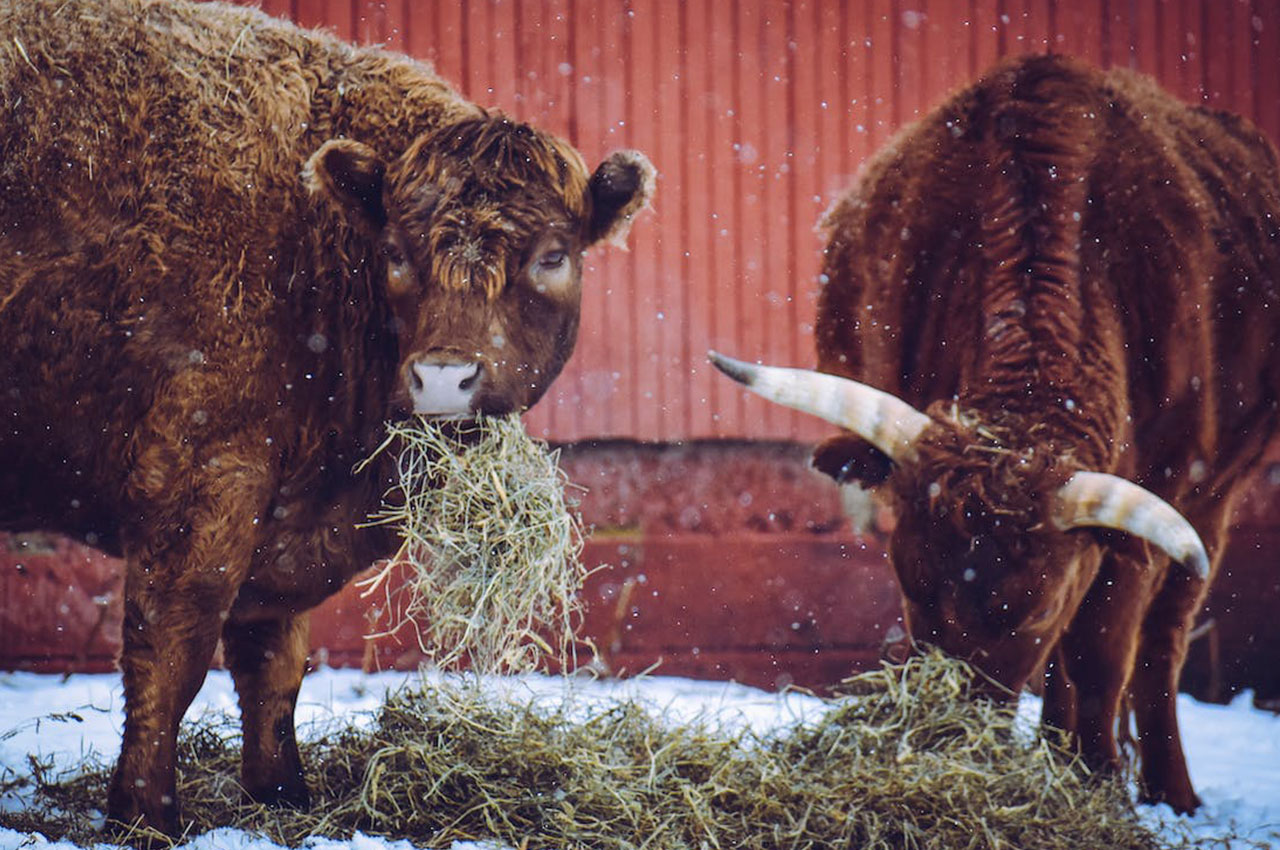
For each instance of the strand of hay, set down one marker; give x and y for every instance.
(906, 761)
(491, 543)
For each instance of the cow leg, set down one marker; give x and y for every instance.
(1097, 655)
(1059, 711)
(1155, 687)
(1165, 634)
(267, 659)
(170, 633)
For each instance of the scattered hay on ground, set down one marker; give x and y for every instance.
(492, 544)
(907, 761)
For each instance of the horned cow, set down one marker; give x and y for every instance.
(1050, 323)
(230, 250)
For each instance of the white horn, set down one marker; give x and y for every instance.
(883, 420)
(1099, 500)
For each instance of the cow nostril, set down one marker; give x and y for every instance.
(470, 381)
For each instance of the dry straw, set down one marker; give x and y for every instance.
(491, 544)
(906, 760)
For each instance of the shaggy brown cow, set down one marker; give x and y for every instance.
(230, 249)
(1074, 276)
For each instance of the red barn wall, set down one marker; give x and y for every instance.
(757, 114)
(729, 558)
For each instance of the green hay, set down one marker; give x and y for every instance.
(907, 761)
(491, 543)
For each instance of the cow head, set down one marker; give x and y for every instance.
(480, 227)
(986, 548)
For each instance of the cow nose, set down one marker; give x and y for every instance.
(443, 388)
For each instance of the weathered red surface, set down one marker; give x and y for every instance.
(726, 560)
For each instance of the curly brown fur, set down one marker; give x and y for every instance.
(1088, 268)
(224, 263)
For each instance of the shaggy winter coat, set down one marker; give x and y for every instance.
(230, 249)
(1074, 275)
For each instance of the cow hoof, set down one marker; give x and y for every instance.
(133, 822)
(284, 795)
(1183, 802)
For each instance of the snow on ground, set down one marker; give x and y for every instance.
(1234, 751)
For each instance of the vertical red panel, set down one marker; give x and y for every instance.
(1240, 77)
(987, 28)
(776, 132)
(1120, 29)
(1147, 47)
(1038, 19)
(378, 22)
(622, 114)
(724, 186)
(947, 36)
(750, 234)
(856, 93)
(557, 67)
(334, 15)
(882, 94)
(666, 120)
(1217, 38)
(645, 373)
(440, 35)
(532, 43)
(1186, 38)
(1080, 22)
(698, 284)
(1025, 30)
(909, 36)
(1265, 25)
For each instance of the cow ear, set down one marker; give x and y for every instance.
(848, 458)
(351, 175)
(621, 187)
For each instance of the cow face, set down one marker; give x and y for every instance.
(986, 550)
(479, 230)
(985, 571)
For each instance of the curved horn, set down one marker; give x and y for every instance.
(1100, 500)
(883, 420)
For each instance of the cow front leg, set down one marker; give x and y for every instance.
(1059, 711)
(267, 659)
(1095, 658)
(171, 626)
(1163, 649)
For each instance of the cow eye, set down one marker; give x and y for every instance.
(552, 260)
(399, 275)
(395, 257)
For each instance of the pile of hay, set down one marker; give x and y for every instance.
(906, 761)
(491, 545)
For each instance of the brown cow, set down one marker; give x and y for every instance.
(1074, 276)
(230, 249)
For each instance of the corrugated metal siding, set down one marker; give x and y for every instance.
(757, 114)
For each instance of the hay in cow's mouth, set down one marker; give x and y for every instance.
(491, 545)
(905, 760)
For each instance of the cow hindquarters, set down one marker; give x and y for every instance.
(267, 660)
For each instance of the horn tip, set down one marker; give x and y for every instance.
(1198, 563)
(740, 371)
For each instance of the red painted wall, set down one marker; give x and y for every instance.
(728, 559)
(757, 114)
